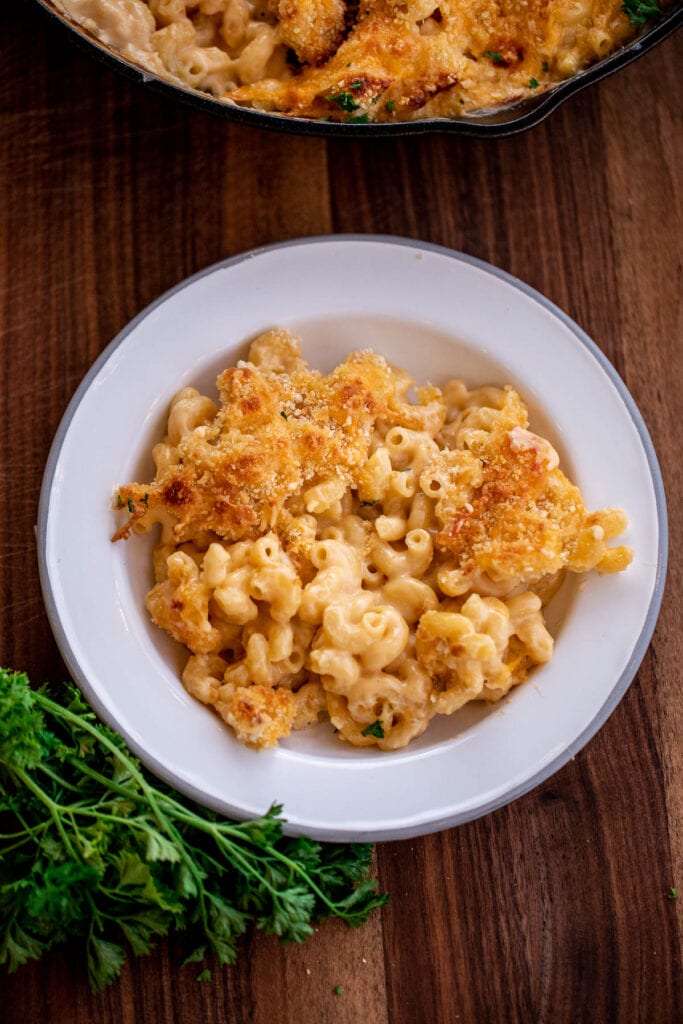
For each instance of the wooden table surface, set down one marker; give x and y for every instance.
(553, 909)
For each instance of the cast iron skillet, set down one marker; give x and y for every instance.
(506, 120)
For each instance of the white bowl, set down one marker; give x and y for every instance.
(440, 314)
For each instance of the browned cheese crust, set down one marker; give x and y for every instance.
(524, 518)
(404, 59)
(273, 434)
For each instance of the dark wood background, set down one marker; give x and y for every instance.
(553, 909)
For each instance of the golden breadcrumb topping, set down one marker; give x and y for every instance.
(524, 517)
(274, 433)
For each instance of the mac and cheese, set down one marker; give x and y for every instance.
(329, 546)
(380, 60)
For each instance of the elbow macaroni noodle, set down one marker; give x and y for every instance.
(383, 60)
(382, 590)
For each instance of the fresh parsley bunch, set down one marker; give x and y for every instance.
(92, 846)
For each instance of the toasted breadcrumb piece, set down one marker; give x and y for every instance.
(312, 28)
(260, 715)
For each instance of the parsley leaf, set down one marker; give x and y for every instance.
(21, 725)
(105, 960)
(344, 101)
(533, 84)
(376, 729)
(390, 106)
(94, 848)
(284, 415)
(495, 56)
(641, 11)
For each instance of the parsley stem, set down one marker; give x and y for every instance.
(15, 846)
(104, 780)
(89, 812)
(52, 807)
(17, 835)
(225, 845)
(42, 767)
(81, 722)
(96, 915)
(217, 830)
(31, 830)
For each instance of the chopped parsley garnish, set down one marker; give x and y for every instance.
(356, 84)
(390, 106)
(119, 501)
(94, 848)
(131, 505)
(640, 11)
(533, 84)
(672, 893)
(284, 415)
(376, 730)
(344, 101)
(359, 119)
(337, 990)
(145, 501)
(495, 56)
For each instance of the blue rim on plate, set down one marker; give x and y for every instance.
(414, 826)
(498, 123)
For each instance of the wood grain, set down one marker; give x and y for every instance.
(553, 909)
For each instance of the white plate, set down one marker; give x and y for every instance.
(439, 314)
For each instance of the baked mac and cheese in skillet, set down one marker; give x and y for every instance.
(362, 60)
(329, 546)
